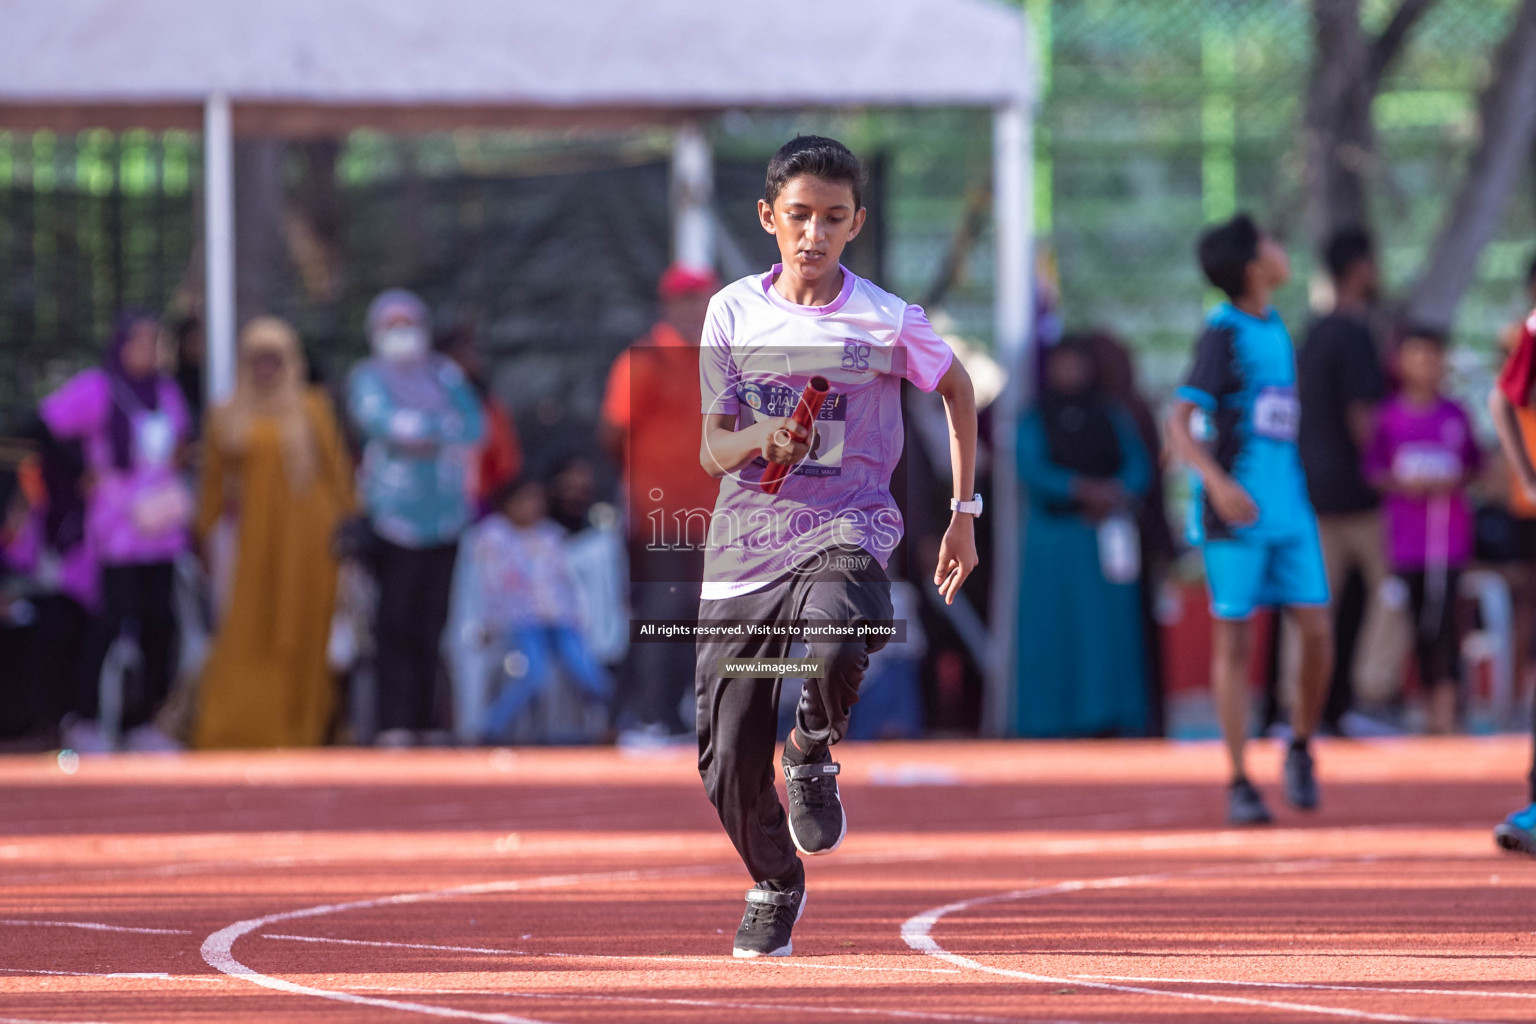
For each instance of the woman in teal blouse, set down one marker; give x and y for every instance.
(420, 421)
(1083, 466)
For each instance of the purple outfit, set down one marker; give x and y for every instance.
(138, 513)
(1425, 444)
(73, 573)
(759, 350)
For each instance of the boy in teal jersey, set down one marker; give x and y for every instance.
(1250, 513)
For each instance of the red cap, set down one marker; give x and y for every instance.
(680, 280)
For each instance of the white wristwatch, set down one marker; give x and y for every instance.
(972, 507)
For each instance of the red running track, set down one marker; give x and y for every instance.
(986, 882)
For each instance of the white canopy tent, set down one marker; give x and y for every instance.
(306, 67)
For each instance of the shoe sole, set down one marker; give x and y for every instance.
(1263, 818)
(1301, 805)
(1250, 822)
(1513, 840)
(841, 835)
(785, 950)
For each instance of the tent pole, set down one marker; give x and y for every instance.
(1012, 161)
(693, 192)
(219, 245)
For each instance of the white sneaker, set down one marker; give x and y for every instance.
(83, 736)
(395, 739)
(148, 739)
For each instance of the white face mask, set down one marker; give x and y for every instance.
(401, 343)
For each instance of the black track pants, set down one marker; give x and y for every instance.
(737, 717)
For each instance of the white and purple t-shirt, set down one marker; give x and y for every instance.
(1431, 444)
(758, 352)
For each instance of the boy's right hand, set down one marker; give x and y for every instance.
(1234, 505)
(785, 441)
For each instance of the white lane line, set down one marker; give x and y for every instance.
(218, 948)
(1319, 986)
(1023, 847)
(95, 926)
(154, 975)
(722, 960)
(964, 1018)
(31, 1020)
(397, 945)
(917, 933)
(88, 974)
(757, 964)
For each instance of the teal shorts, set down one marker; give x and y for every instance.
(1247, 574)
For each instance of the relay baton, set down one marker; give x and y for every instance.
(805, 415)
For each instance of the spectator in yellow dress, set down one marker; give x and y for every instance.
(276, 467)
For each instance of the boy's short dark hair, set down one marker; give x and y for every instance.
(1347, 247)
(1225, 252)
(819, 156)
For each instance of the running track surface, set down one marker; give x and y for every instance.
(983, 882)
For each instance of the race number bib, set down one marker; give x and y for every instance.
(1426, 464)
(1276, 414)
(776, 400)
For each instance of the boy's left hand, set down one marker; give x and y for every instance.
(957, 556)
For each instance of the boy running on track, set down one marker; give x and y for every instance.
(814, 552)
(1513, 392)
(1250, 512)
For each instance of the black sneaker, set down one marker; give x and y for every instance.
(817, 823)
(1245, 806)
(1300, 782)
(772, 910)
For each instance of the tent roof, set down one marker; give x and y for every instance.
(318, 61)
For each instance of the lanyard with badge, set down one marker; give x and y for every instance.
(165, 504)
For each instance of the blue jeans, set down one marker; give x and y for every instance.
(548, 649)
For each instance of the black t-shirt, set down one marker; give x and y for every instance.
(1338, 367)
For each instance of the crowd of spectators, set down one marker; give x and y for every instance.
(1410, 513)
(381, 563)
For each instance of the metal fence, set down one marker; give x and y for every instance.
(89, 224)
(1157, 116)
(1162, 115)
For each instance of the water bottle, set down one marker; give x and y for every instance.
(1119, 548)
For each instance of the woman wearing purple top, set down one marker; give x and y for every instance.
(1422, 458)
(131, 420)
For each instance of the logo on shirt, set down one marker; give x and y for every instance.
(753, 396)
(855, 354)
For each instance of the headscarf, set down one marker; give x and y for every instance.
(411, 381)
(127, 390)
(281, 400)
(1118, 370)
(1080, 435)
